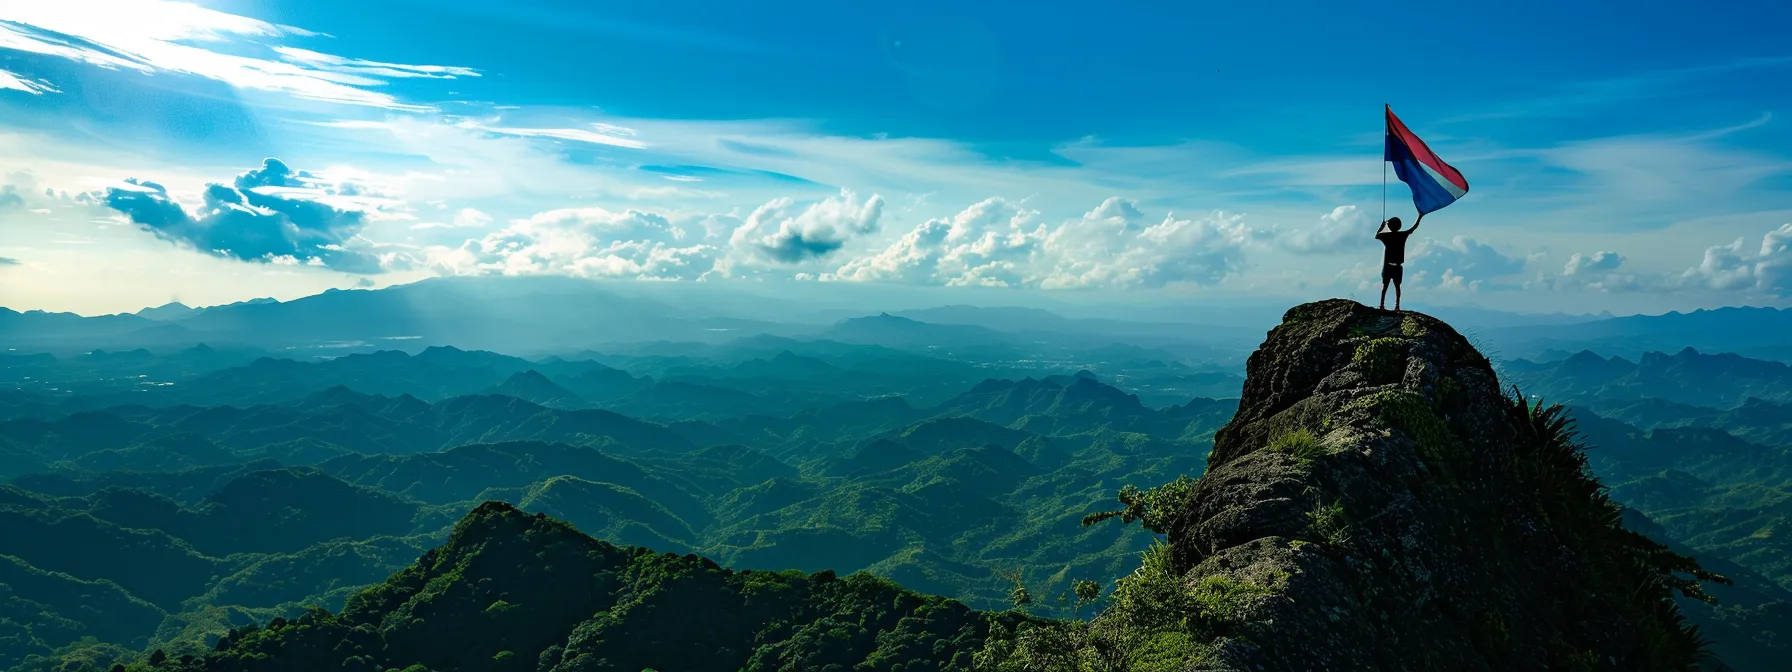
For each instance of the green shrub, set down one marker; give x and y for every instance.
(1299, 444)
(1153, 508)
(1550, 465)
(1327, 524)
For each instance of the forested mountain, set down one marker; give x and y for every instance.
(308, 493)
(196, 491)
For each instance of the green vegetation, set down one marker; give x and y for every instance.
(307, 503)
(1381, 358)
(1411, 413)
(514, 591)
(1550, 463)
(1327, 524)
(1154, 508)
(1156, 621)
(1299, 444)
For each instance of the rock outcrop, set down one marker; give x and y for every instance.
(1378, 471)
(1380, 503)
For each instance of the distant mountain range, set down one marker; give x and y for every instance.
(544, 315)
(1743, 330)
(1686, 377)
(511, 314)
(176, 311)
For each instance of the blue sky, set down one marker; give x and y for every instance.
(1626, 156)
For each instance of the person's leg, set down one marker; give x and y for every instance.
(1396, 294)
(1384, 293)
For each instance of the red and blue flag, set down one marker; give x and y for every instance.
(1434, 183)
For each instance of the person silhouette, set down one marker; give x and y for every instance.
(1393, 257)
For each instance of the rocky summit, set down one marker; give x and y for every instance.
(1380, 503)
(1378, 479)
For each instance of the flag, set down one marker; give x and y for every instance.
(1434, 183)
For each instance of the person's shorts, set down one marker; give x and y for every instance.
(1391, 273)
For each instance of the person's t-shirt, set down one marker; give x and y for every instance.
(1395, 241)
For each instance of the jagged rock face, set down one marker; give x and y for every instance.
(1366, 486)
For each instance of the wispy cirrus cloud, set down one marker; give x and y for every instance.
(597, 134)
(165, 36)
(14, 82)
(355, 66)
(1653, 84)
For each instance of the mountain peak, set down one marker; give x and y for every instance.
(533, 387)
(1378, 502)
(173, 310)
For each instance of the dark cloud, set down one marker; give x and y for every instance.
(274, 173)
(8, 261)
(267, 216)
(11, 198)
(786, 233)
(1597, 262)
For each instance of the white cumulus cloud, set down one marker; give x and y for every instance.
(583, 242)
(1735, 266)
(1344, 228)
(991, 243)
(1459, 263)
(996, 243)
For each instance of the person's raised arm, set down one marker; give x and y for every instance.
(1416, 223)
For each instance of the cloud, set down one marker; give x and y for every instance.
(13, 82)
(598, 134)
(467, 218)
(8, 261)
(583, 242)
(154, 36)
(995, 243)
(1649, 171)
(1766, 269)
(355, 66)
(1459, 263)
(990, 243)
(781, 231)
(1598, 262)
(1344, 228)
(270, 215)
(11, 198)
(1111, 247)
(1570, 97)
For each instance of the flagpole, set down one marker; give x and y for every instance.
(1384, 166)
